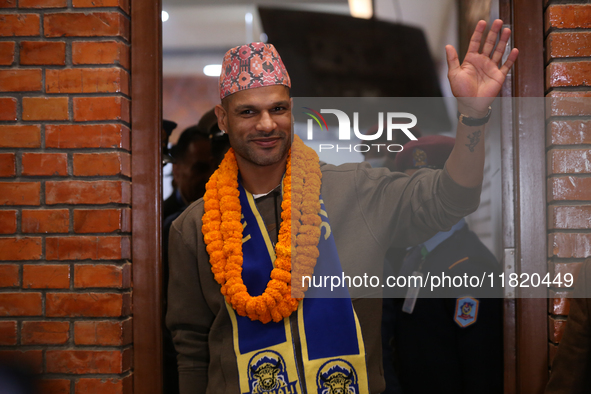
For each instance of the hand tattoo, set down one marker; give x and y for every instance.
(474, 140)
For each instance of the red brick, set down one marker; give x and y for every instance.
(86, 136)
(45, 333)
(46, 276)
(7, 333)
(45, 164)
(569, 161)
(94, 24)
(20, 304)
(569, 132)
(45, 221)
(87, 192)
(7, 222)
(102, 220)
(569, 188)
(568, 44)
(19, 25)
(103, 52)
(569, 217)
(110, 163)
(569, 245)
(87, 80)
(559, 303)
(87, 248)
(101, 108)
(569, 103)
(20, 248)
(8, 108)
(45, 108)
(7, 3)
(559, 74)
(102, 276)
(30, 360)
(6, 53)
(9, 275)
(53, 386)
(103, 333)
(555, 329)
(84, 361)
(20, 193)
(123, 4)
(87, 305)
(104, 386)
(42, 4)
(43, 53)
(18, 136)
(565, 272)
(568, 16)
(20, 80)
(7, 166)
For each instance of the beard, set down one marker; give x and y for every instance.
(262, 156)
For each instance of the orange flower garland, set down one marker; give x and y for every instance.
(300, 226)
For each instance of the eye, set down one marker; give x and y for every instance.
(279, 109)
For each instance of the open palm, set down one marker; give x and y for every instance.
(480, 75)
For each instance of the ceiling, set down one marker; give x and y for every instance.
(199, 33)
(166, 3)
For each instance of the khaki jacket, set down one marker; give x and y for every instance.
(369, 210)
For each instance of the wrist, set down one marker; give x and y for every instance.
(476, 113)
(473, 121)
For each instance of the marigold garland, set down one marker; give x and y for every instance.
(300, 226)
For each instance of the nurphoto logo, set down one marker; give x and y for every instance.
(392, 123)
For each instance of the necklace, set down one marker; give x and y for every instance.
(300, 226)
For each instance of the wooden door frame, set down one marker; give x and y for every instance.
(526, 333)
(146, 189)
(527, 365)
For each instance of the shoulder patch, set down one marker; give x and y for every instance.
(466, 311)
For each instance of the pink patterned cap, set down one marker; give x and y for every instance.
(250, 66)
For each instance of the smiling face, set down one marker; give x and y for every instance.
(258, 123)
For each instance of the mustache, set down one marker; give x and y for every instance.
(272, 134)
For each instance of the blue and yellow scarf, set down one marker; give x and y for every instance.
(332, 349)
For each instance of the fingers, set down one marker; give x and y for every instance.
(500, 50)
(452, 58)
(476, 37)
(491, 38)
(509, 62)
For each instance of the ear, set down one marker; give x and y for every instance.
(222, 115)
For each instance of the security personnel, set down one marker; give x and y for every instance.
(447, 345)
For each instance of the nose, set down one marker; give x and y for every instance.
(266, 122)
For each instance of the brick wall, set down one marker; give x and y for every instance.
(65, 298)
(568, 76)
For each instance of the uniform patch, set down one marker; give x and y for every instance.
(466, 311)
(267, 374)
(337, 376)
(419, 158)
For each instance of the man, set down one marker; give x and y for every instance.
(215, 292)
(457, 340)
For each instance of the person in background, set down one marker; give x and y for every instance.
(445, 344)
(382, 157)
(196, 155)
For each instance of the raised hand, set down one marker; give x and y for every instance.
(480, 75)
